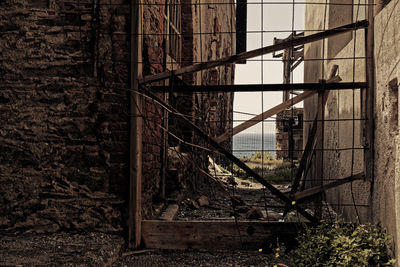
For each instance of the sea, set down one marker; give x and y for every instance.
(245, 144)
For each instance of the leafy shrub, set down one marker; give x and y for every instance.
(343, 244)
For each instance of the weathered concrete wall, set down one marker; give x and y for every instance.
(342, 106)
(386, 193)
(384, 196)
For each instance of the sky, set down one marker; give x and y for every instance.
(262, 18)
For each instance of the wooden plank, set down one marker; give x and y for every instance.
(272, 111)
(311, 137)
(319, 154)
(170, 212)
(260, 87)
(318, 189)
(135, 134)
(257, 52)
(369, 126)
(247, 235)
(231, 157)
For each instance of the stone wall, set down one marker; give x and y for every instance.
(64, 71)
(63, 102)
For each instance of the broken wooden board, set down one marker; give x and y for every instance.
(244, 235)
(318, 189)
(170, 212)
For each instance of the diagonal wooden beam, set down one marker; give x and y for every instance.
(232, 158)
(265, 115)
(318, 189)
(311, 138)
(270, 112)
(255, 53)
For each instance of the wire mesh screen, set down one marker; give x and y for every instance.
(293, 111)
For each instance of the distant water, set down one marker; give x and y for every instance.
(246, 144)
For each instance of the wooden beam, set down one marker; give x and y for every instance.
(135, 133)
(311, 138)
(257, 52)
(318, 189)
(232, 158)
(265, 115)
(319, 153)
(170, 212)
(272, 111)
(369, 96)
(227, 235)
(295, 65)
(260, 87)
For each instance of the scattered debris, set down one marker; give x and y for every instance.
(231, 181)
(242, 209)
(254, 213)
(203, 201)
(170, 213)
(294, 216)
(237, 201)
(193, 204)
(245, 183)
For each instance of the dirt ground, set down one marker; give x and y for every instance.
(201, 258)
(100, 249)
(60, 249)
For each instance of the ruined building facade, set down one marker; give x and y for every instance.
(64, 101)
(289, 134)
(378, 196)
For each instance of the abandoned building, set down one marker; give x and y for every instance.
(65, 100)
(114, 112)
(289, 134)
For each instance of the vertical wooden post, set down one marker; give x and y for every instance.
(369, 127)
(135, 138)
(287, 69)
(319, 154)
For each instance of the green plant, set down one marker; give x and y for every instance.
(343, 244)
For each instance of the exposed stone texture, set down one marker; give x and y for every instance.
(64, 80)
(63, 106)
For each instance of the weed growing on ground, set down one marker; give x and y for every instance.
(267, 166)
(343, 244)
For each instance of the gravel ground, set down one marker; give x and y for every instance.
(196, 258)
(60, 249)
